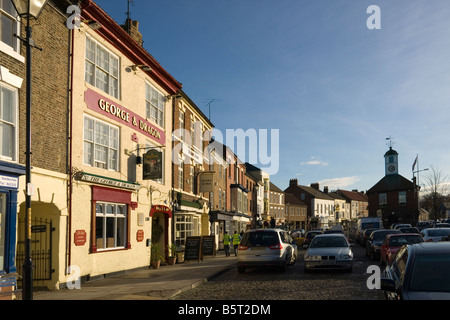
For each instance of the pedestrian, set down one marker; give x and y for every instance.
(226, 243)
(236, 240)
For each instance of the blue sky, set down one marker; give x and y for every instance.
(333, 88)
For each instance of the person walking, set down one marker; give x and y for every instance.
(236, 240)
(226, 243)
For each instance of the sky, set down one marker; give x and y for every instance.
(315, 73)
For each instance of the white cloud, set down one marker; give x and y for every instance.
(314, 162)
(339, 183)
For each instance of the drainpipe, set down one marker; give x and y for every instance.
(70, 146)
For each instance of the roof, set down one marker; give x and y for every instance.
(310, 190)
(275, 188)
(353, 195)
(394, 182)
(391, 152)
(290, 199)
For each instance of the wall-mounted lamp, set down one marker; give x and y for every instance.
(143, 67)
(94, 25)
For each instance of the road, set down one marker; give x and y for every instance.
(295, 284)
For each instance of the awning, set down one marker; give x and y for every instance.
(161, 209)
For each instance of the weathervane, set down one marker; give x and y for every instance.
(391, 143)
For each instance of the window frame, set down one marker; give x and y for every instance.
(14, 124)
(160, 114)
(104, 216)
(96, 66)
(94, 143)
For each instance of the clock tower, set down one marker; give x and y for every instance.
(391, 162)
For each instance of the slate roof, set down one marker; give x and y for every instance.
(289, 198)
(394, 182)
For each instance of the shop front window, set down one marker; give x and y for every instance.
(184, 226)
(111, 225)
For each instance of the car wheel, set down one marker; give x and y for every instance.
(241, 269)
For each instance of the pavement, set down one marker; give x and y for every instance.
(147, 284)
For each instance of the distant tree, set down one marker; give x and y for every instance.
(435, 193)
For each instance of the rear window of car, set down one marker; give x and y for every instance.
(260, 239)
(399, 241)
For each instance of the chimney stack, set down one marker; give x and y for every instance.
(315, 185)
(293, 183)
(132, 28)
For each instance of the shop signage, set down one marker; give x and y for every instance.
(160, 208)
(107, 181)
(140, 235)
(79, 238)
(152, 169)
(112, 110)
(206, 182)
(9, 182)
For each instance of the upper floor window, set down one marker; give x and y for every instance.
(101, 144)
(102, 68)
(402, 197)
(8, 123)
(382, 199)
(8, 24)
(154, 101)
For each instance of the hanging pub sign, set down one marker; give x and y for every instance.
(152, 169)
(206, 182)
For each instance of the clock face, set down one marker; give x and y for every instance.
(391, 168)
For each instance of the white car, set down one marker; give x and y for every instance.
(266, 247)
(329, 251)
(435, 234)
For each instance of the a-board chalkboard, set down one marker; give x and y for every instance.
(192, 249)
(208, 245)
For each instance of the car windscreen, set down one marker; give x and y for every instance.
(260, 239)
(328, 242)
(370, 225)
(407, 239)
(379, 236)
(430, 273)
(439, 232)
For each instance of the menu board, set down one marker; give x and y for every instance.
(192, 248)
(208, 245)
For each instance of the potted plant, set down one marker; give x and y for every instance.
(172, 258)
(156, 255)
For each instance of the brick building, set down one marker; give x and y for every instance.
(50, 104)
(394, 198)
(191, 209)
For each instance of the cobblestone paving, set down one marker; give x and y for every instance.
(269, 284)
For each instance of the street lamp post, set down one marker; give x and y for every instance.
(28, 9)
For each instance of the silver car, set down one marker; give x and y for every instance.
(329, 251)
(435, 234)
(266, 247)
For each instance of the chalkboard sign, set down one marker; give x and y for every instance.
(192, 248)
(208, 245)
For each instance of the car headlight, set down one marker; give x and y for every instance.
(312, 258)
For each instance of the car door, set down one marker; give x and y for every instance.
(398, 272)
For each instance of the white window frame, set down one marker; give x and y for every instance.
(15, 124)
(97, 67)
(14, 50)
(160, 107)
(115, 215)
(94, 143)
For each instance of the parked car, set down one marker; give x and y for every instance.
(418, 272)
(375, 240)
(393, 242)
(329, 251)
(435, 234)
(266, 247)
(400, 225)
(423, 225)
(366, 233)
(409, 230)
(309, 236)
(442, 225)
